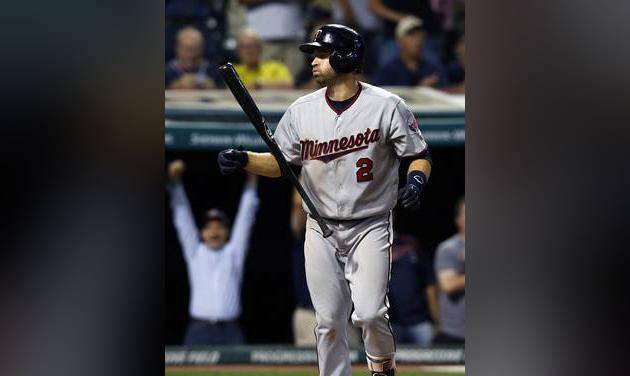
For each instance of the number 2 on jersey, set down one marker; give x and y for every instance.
(364, 173)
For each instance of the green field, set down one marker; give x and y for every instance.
(294, 373)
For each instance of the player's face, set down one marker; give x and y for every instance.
(323, 73)
(214, 234)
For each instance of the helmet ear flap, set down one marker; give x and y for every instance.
(344, 63)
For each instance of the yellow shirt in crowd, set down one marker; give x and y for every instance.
(268, 72)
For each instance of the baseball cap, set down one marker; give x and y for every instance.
(407, 24)
(215, 214)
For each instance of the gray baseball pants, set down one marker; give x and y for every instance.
(348, 273)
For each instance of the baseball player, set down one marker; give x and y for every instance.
(349, 138)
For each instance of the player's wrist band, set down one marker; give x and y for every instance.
(417, 179)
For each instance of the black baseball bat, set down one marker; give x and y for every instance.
(244, 99)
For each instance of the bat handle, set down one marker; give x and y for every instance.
(325, 229)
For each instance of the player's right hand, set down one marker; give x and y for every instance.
(176, 169)
(231, 160)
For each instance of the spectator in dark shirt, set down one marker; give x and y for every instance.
(412, 293)
(189, 70)
(410, 68)
(457, 69)
(394, 11)
(207, 16)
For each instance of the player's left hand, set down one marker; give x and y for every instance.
(409, 197)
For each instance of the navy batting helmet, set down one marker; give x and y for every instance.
(345, 45)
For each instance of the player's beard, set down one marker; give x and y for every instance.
(325, 81)
(322, 81)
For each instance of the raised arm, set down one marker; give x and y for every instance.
(183, 219)
(380, 9)
(245, 218)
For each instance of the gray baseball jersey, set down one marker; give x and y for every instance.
(350, 158)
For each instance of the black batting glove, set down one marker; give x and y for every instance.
(409, 195)
(231, 160)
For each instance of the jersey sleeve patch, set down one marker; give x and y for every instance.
(412, 123)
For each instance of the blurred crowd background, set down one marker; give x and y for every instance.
(234, 258)
(408, 43)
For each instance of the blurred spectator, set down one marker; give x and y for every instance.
(208, 16)
(236, 20)
(355, 13)
(457, 69)
(450, 14)
(215, 262)
(256, 73)
(412, 293)
(279, 25)
(410, 68)
(304, 314)
(393, 11)
(451, 17)
(189, 70)
(450, 269)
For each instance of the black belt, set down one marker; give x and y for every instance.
(333, 220)
(349, 220)
(214, 322)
